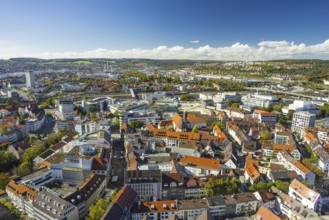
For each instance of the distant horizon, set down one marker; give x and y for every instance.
(172, 59)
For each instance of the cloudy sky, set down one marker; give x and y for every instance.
(165, 29)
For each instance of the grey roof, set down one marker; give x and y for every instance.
(239, 198)
(205, 215)
(280, 175)
(45, 201)
(216, 201)
(192, 204)
(143, 176)
(322, 153)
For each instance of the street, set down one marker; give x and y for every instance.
(118, 164)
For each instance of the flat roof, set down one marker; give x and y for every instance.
(35, 174)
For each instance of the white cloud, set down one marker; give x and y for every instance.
(194, 41)
(265, 50)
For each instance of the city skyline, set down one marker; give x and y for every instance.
(207, 30)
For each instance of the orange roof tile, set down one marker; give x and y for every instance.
(282, 147)
(252, 171)
(205, 163)
(150, 127)
(178, 120)
(264, 113)
(301, 167)
(157, 206)
(265, 214)
(304, 190)
(21, 189)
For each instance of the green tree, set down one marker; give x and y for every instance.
(218, 123)
(4, 129)
(235, 105)
(283, 186)
(195, 129)
(92, 117)
(21, 120)
(135, 124)
(97, 210)
(261, 185)
(186, 97)
(4, 180)
(265, 136)
(114, 193)
(7, 161)
(24, 168)
(278, 107)
(30, 140)
(216, 187)
(312, 166)
(290, 115)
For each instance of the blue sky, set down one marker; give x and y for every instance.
(136, 28)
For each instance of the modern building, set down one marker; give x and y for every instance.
(300, 105)
(30, 80)
(65, 108)
(34, 124)
(259, 100)
(95, 105)
(302, 120)
(146, 183)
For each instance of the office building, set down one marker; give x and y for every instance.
(30, 80)
(302, 120)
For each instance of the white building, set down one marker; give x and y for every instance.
(302, 120)
(300, 105)
(34, 124)
(146, 183)
(264, 116)
(259, 100)
(305, 195)
(323, 159)
(30, 80)
(302, 171)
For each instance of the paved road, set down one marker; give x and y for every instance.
(118, 164)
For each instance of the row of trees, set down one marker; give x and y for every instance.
(216, 187)
(262, 185)
(97, 210)
(38, 147)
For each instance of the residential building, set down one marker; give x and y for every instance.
(323, 159)
(200, 166)
(305, 195)
(291, 164)
(173, 186)
(264, 213)
(121, 205)
(302, 120)
(146, 183)
(34, 124)
(264, 116)
(217, 206)
(290, 207)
